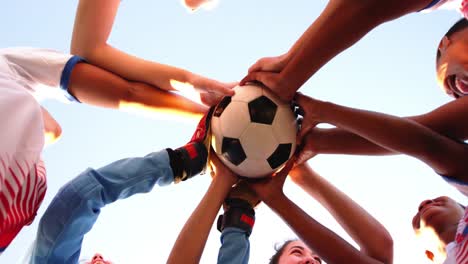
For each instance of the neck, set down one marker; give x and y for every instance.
(448, 235)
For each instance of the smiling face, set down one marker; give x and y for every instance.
(436, 218)
(452, 61)
(439, 214)
(297, 252)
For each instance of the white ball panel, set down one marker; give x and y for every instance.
(258, 141)
(284, 125)
(216, 135)
(247, 93)
(234, 120)
(254, 168)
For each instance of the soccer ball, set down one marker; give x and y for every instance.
(253, 132)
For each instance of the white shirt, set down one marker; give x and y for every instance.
(25, 73)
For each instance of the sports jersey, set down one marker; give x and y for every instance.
(25, 74)
(460, 5)
(457, 251)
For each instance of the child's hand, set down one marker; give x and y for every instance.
(270, 64)
(220, 171)
(307, 147)
(52, 130)
(211, 91)
(269, 189)
(310, 109)
(268, 72)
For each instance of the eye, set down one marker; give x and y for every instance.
(318, 259)
(296, 252)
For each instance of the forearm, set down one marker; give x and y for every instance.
(93, 24)
(356, 221)
(135, 69)
(341, 24)
(95, 86)
(329, 246)
(340, 141)
(397, 134)
(192, 238)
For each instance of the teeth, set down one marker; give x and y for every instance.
(461, 85)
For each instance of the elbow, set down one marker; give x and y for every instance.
(386, 249)
(87, 51)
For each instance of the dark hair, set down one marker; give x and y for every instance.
(279, 251)
(458, 26)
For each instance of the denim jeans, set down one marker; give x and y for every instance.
(76, 207)
(235, 247)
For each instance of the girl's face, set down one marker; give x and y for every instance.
(297, 252)
(433, 218)
(438, 214)
(452, 68)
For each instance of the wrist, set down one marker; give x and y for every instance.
(274, 200)
(238, 213)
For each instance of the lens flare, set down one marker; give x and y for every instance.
(158, 113)
(187, 90)
(431, 243)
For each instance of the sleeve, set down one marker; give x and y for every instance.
(432, 4)
(235, 247)
(459, 185)
(41, 69)
(76, 207)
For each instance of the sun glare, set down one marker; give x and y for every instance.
(160, 113)
(429, 241)
(187, 90)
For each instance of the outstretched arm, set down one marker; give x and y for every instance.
(341, 24)
(93, 24)
(401, 135)
(95, 86)
(324, 242)
(356, 221)
(192, 238)
(76, 207)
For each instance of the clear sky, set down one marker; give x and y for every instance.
(390, 70)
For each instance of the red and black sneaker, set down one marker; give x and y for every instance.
(192, 158)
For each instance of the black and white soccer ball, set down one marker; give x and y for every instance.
(253, 132)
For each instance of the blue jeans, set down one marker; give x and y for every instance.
(76, 207)
(235, 247)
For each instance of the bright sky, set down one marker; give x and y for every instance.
(390, 70)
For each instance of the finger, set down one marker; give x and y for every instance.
(262, 77)
(283, 173)
(257, 66)
(221, 89)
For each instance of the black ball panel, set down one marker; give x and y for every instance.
(232, 150)
(280, 155)
(222, 105)
(262, 110)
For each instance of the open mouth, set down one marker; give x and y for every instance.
(461, 85)
(456, 86)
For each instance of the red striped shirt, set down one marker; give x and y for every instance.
(22, 189)
(461, 240)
